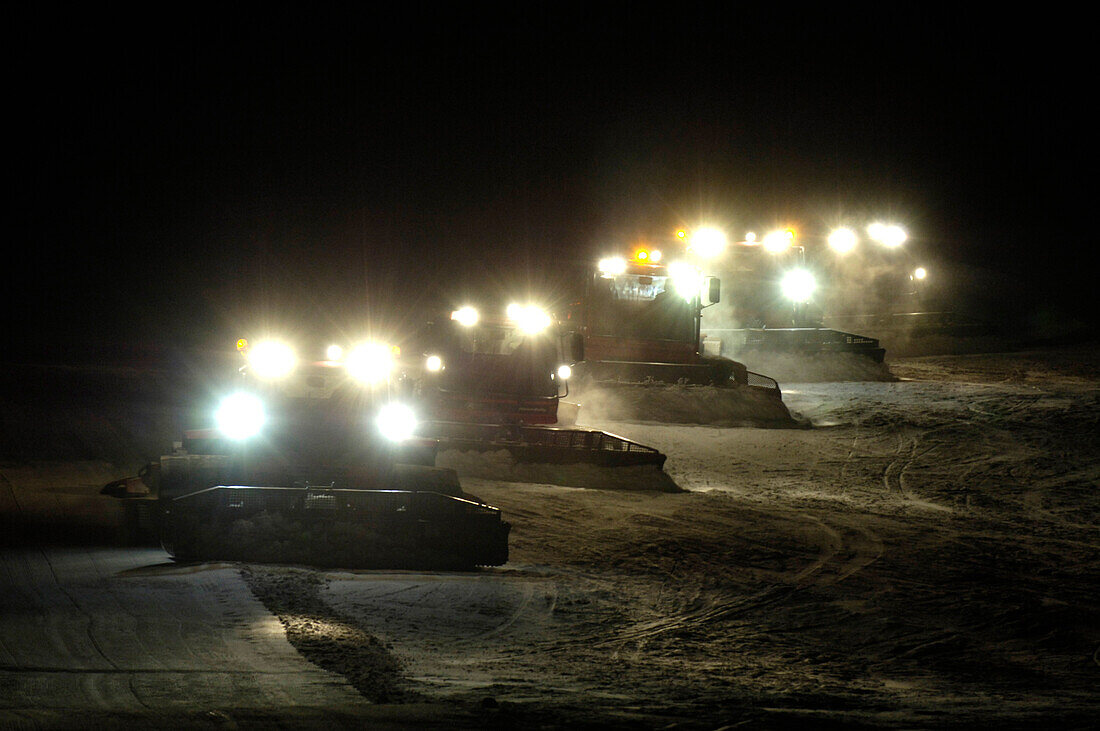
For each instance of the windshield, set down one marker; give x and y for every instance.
(492, 358)
(487, 339)
(640, 306)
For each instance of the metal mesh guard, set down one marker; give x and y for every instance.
(583, 439)
(759, 381)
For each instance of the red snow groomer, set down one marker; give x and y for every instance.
(639, 320)
(489, 389)
(773, 318)
(313, 460)
(509, 368)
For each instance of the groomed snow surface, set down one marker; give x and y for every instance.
(920, 553)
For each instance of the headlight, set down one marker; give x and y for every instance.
(272, 359)
(433, 363)
(370, 363)
(465, 316)
(240, 416)
(396, 422)
(798, 285)
(842, 240)
(564, 372)
(777, 242)
(530, 319)
(890, 236)
(708, 243)
(612, 266)
(687, 281)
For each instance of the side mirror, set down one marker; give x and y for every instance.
(576, 347)
(714, 291)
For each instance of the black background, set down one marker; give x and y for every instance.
(186, 175)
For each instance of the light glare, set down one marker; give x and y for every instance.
(465, 316)
(686, 279)
(370, 363)
(777, 242)
(798, 285)
(396, 421)
(842, 240)
(708, 242)
(528, 318)
(890, 236)
(240, 416)
(272, 359)
(612, 266)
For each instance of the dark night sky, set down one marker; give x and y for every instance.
(176, 178)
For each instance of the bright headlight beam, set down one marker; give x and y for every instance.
(272, 359)
(708, 242)
(240, 416)
(612, 266)
(370, 363)
(396, 421)
(777, 242)
(842, 240)
(890, 236)
(798, 286)
(465, 316)
(529, 318)
(687, 281)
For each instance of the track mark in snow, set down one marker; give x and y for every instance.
(863, 548)
(522, 609)
(323, 636)
(843, 551)
(829, 548)
(856, 546)
(892, 474)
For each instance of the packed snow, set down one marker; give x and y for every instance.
(915, 553)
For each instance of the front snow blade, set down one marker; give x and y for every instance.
(812, 340)
(554, 445)
(807, 354)
(573, 457)
(345, 528)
